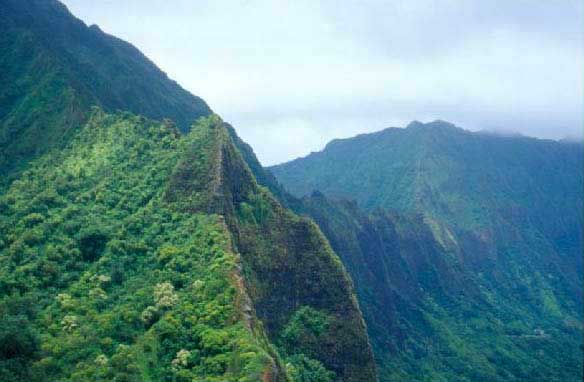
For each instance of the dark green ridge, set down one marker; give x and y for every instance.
(439, 209)
(497, 188)
(131, 251)
(431, 316)
(53, 68)
(287, 259)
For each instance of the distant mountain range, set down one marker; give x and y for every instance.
(461, 245)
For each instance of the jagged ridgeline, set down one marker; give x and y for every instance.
(137, 253)
(138, 250)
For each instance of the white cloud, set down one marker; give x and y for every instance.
(291, 75)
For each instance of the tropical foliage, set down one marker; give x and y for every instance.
(106, 273)
(107, 279)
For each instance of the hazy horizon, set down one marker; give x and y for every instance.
(292, 76)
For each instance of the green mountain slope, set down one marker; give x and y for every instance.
(109, 281)
(432, 318)
(444, 171)
(141, 254)
(133, 249)
(494, 191)
(287, 260)
(477, 275)
(53, 68)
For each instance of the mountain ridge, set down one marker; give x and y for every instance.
(434, 124)
(142, 240)
(135, 194)
(63, 68)
(135, 242)
(505, 213)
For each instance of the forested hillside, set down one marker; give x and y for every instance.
(142, 240)
(141, 254)
(465, 248)
(136, 245)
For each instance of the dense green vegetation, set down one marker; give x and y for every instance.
(141, 250)
(107, 279)
(430, 318)
(119, 261)
(53, 68)
(470, 180)
(476, 274)
(137, 250)
(286, 260)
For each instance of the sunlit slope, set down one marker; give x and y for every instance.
(141, 254)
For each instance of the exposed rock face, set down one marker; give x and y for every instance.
(287, 262)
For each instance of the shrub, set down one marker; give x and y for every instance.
(92, 244)
(17, 339)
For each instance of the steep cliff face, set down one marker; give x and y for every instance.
(477, 271)
(288, 265)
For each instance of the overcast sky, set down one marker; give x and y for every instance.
(292, 75)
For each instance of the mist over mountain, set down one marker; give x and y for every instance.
(293, 75)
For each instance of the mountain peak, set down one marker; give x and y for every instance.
(436, 124)
(469, 213)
